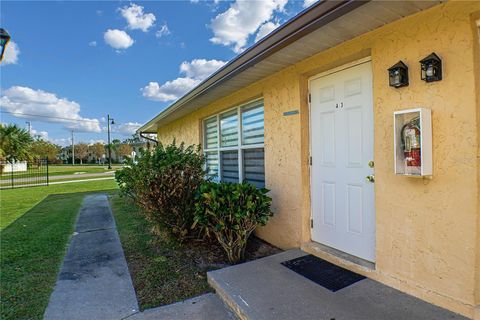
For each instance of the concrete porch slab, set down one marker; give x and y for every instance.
(205, 307)
(264, 289)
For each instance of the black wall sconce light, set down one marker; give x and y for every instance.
(398, 75)
(431, 68)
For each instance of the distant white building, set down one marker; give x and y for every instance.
(17, 166)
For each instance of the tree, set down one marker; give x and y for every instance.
(98, 150)
(81, 151)
(44, 149)
(124, 150)
(15, 143)
(114, 148)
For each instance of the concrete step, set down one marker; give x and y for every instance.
(205, 307)
(266, 290)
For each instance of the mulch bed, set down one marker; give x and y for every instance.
(210, 256)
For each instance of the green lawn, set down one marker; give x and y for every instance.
(69, 169)
(56, 181)
(36, 225)
(14, 203)
(58, 170)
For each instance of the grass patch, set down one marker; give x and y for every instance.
(163, 271)
(33, 248)
(15, 202)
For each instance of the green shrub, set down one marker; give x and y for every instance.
(164, 182)
(231, 212)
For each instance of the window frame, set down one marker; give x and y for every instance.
(239, 147)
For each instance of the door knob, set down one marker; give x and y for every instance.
(370, 178)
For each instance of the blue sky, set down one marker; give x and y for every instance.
(83, 60)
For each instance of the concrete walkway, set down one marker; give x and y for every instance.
(94, 282)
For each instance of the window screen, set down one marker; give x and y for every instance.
(229, 166)
(211, 133)
(252, 125)
(229, 129)
(254, 166)
(212, 164)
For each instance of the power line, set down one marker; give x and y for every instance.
(49, 117)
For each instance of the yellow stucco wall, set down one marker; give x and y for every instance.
(427, 240)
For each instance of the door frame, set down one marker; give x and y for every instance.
(309, 80)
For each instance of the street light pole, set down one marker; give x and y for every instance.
(109, 121)
(73, 150)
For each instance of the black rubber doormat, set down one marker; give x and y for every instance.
(323, 272)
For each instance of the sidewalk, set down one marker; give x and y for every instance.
(94, 282)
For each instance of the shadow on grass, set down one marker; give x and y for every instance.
(33, 247)
(16, 202)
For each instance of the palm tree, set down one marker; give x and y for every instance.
(15, 143)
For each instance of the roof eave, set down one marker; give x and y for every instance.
(305, 22)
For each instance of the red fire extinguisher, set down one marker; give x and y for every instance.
(411, 143)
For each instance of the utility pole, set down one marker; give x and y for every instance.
(73, 150)
(29, 124)
(109, 146)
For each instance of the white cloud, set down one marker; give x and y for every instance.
(117, 39)
(41, 134)
(170, 90)
(200, 68)
(265, 29)
(61, 141)
(136, 18)
(92, 44)
(93, 141)
(308, 3)
(127, 128)
(242, 19)
(11, 53)
(44, 106)
(195, 71)
(163, 31)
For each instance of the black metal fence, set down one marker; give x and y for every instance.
(23, 174)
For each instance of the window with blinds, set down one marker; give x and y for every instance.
(211, 133)
(229, 129)
(234, 145)
(211, 158)
(252, 125)
(229, 160)
(254, 166)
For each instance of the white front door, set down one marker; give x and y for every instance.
(341, 129)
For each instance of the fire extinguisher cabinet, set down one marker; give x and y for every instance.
(413, 142)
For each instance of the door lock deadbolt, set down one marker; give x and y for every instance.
(371, 164)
